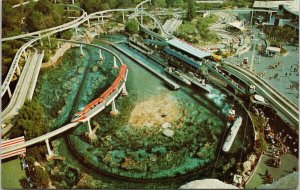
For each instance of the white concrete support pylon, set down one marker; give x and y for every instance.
(124, 91)
(18, 70)
(142, 15)
(76, 30)
(102, 19)
(98, 19)
(89, 126)
(114, 110)
(123, 16)
(58, 44)
(49, 40)
(41, 41)
(81, 50)
(251, 18)
(88, 20)
(9, 92)
(100, 55)
(25, 55)
(115, 63)
(91, 133)
(50, 153)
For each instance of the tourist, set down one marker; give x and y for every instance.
(267, 173)
(284, 150)
(284, 139)
(269, 179)
(295, 150)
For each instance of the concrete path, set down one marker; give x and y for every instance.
(288, 162)
(287, 71)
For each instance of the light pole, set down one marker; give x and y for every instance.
(251, 66)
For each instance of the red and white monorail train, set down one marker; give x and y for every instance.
(79, 116)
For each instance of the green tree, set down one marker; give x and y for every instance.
(35, 21)
(261, 145)
(40, 177)
(11, 20)
(203, 70)
(158, 3)
(44, 6)
(132, 26)
(31, 120)
(67, 34)
(169, 3)
(91, 6)
(191, 12)
(188, 29)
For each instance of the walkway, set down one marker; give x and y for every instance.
(288, 162)
(289, 65)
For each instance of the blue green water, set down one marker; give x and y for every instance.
(194, 145)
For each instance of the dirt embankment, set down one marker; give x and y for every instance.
(155, 111)
(87, 37)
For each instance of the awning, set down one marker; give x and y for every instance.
(188, 48)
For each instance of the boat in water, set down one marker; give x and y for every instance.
(232, 134)
(177, 75)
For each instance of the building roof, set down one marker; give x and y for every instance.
(237, 24)
(188, 48)
(274, 49)
(291, 6)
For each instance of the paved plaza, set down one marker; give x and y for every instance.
(285, 74)
(288, 162)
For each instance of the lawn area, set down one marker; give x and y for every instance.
(11, 173)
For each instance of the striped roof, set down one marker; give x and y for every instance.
(12, 142)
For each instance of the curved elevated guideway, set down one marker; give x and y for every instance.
(92, 112)
(72, 23)
(25, 85)
(281, 105)
(285, 109)
(14, 66)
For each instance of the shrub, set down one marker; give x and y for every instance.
(132, 26)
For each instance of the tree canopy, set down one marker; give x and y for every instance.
(191, 12)
(40, 178)
(132, 26)
(279, 36)
(30, 120)
(44, 15)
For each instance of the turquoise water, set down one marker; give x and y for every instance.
(195, 143)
